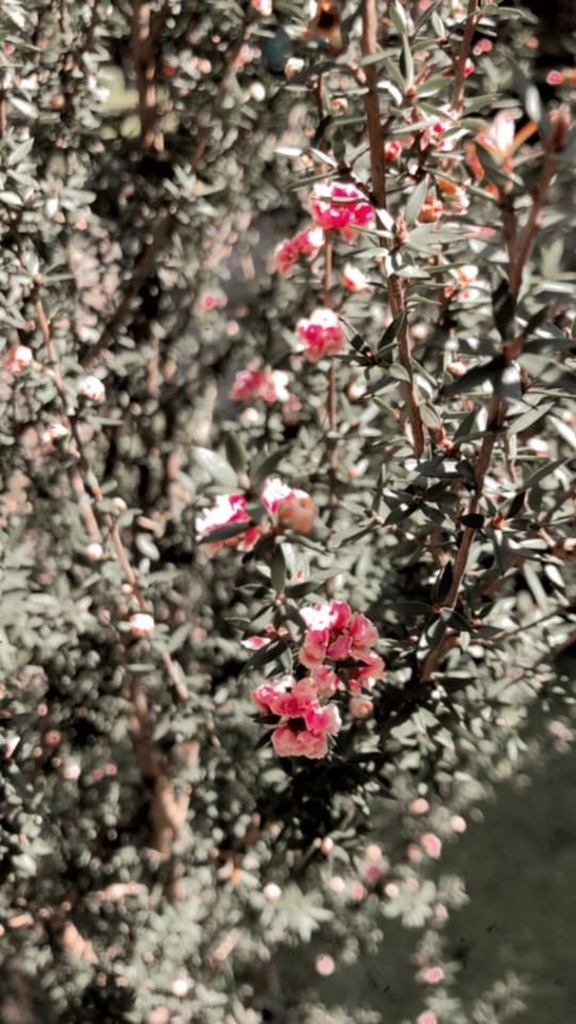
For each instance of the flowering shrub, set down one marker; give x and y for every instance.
(286, 522)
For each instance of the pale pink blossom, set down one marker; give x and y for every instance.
(374, 852)
(431, 975)
(458, 824)
(141, 624)
(337, 884)
(322, 333)
(288, 506)
(272, 892)
(358, 892)
(325, 965)
(419, 806)
(229, 509)
(431, 845)
(360, 707)
(427, 1018)
(18, 358)
(414, 853)
(264, 7)
(92, 388)
(255, 643)
(372, 873)
(354, 280)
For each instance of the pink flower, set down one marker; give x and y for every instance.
(354, 280)
(392, 150)
(141, 624)
(431, 210)
(336, 633)
(18, 358)
(427, 1018)
(229, 508)
(325, 680)
(431, 845)
(288, 742)
(253, 383)
(248, 384)
(431, 975)
(360, 707)
(304, 724)
(339, 206)
(309, 241)
(272, 892)
(322, 334)
(92, 388)
(285, 256)
(264, 7)
(288, 506)
(325, 965)
(306, 243)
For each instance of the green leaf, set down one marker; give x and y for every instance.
(266, 464)
(235, 452)
(415, 201)
(529, 418)
(278, 570)
(218, 469)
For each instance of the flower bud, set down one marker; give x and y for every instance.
(141, 624)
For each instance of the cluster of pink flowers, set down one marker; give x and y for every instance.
(337, 651)
(322, 334)
(337, 634)
(288, 507)
(340, 206)
(304, 724)
(305, 243)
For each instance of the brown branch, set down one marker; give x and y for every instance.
(526, 243)
(495, 418)
(472, 18)
(144, 59)
(396, 295)
(163, 228)
(88, 494)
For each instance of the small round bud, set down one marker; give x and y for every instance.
(92, 389)
(141, 624)
(94, 551)
(272, 892)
